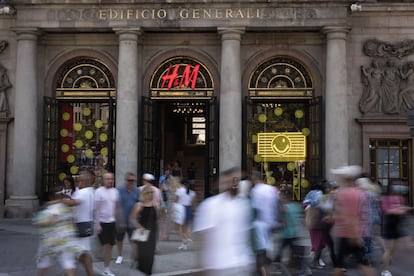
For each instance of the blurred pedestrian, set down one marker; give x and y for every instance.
(314, 222)
(223, 224)
(165, 185)
(144, 217)
(265, 200)
(327, 205)
(292, 231)
(191, 173)
(68, 186)
(348, 216)
(394, 209)
(176, 169)
(371, 216)
(107, 201)
(128, 195)
(57, 235)
(185, 197)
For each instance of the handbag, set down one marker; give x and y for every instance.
(85, 229)
(140, 235)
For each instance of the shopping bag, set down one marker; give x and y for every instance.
(140, 235)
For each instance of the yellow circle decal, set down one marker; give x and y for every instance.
(103, 137)
(104, 151)
(254, 138)
(77, 126)
(257, 158)
(305, 131)
(98, 123)
(278, 111)
(86, 111)
(305, 183)
(291, 166)
(262, 118)
(89, 153)
(89, 134)
(74, 170)
(64, 132)
(62, 176)
(78, 144)
(299, 114)
(70, 158)
(65, 116)
(271, 180)
(65, 148)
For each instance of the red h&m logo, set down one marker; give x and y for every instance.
(187, 78)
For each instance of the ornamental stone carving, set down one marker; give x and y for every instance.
(388, 83)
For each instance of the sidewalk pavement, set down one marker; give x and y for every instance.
(19, 242)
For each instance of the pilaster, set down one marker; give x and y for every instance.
(23, 200)
(230, 149)
(336, 100)
(127, 102)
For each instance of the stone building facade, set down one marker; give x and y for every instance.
(292, 88)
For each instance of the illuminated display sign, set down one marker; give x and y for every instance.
(181, 77)
(281, 146)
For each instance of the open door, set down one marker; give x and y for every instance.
(315, 164)
(211, 173)
(50, 146)
(149, 137)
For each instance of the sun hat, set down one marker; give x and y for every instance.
(148, 176)
(366, 184)
(352, 171)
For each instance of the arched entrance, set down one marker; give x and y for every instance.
(79, 122)
(283, 125)
(180, 121)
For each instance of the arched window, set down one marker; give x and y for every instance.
(280, 77)
(85, 78)
(180, 77)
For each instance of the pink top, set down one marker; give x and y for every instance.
(348, 213)
(390, 202)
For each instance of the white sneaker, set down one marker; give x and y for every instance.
(386, 273)
(107, 272)
(183, 247)
(321, 262)
(119, 260)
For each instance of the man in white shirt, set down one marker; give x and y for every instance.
(265, 201)
(83, 203)
(106, 202)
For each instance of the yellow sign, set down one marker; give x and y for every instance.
(281, 146)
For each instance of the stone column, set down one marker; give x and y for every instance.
(23, 200)
(336, 99)
(127, 107)
(230, 138)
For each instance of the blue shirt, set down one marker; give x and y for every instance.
(128, 200)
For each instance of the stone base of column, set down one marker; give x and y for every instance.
(21, 206)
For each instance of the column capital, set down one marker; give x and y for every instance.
(128, 33)
(231, 33)
(336, 32)
(27, 33)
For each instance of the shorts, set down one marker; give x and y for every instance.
(108, 233)
(66, 260)
(343, 248)
(188, 214)
(120, 235)
(84, 243)
(391, 228)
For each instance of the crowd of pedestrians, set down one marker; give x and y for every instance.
(234, 230)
